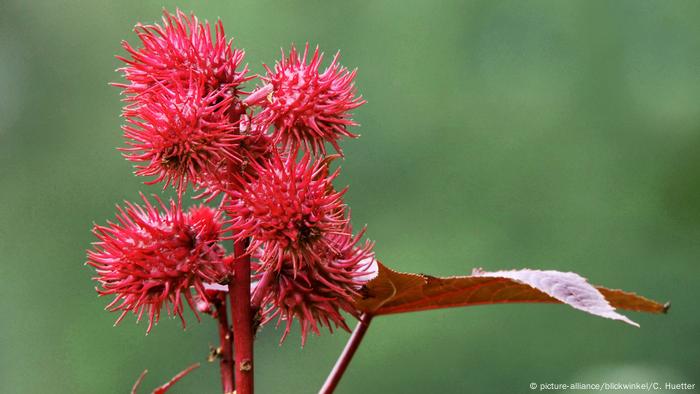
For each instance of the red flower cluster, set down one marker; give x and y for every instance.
(189, 123)
(150, 258)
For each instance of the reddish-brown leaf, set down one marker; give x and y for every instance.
(632, 302)
(394, 292)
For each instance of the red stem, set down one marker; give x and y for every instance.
(258, 95)
(164, 388)
(344, 360)
(226, 346)
(242, 317)
(136, 386)
(260, 289)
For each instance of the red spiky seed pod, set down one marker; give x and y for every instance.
(314, 295)
(179, 134)
(177, 50)
(304, 295)
(153, 256)
(306, 107)
(289, 210)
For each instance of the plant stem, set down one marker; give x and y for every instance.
(344, 360)
(226, 346)
(259, 291)
(239, 290)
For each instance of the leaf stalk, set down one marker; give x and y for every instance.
(344, 360)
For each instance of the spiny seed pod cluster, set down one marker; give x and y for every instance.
(153, 256)
(260, 151)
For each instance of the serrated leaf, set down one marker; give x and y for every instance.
(394, 292)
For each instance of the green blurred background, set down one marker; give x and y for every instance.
(545, 134)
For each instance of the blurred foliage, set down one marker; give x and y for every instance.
(509, 134)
